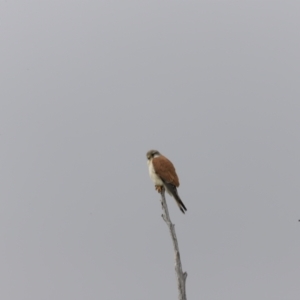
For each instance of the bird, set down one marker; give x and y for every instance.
(163, 174)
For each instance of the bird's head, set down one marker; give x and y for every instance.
(152, 153)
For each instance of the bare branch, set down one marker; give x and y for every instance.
(181, 277)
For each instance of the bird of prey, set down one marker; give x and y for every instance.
(163, 174)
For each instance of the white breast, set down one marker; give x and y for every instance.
(156, 180)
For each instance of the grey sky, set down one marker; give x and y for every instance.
(88, 87)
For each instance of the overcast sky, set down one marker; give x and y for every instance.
(88, 87)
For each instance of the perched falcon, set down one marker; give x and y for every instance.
(163, 174)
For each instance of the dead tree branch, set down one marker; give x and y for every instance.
(181, 276)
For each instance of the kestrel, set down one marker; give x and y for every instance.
(163, 174)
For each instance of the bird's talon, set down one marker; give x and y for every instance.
(159, 188)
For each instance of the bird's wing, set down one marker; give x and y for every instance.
(165, 170)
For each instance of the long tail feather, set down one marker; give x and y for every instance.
(171, 189)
